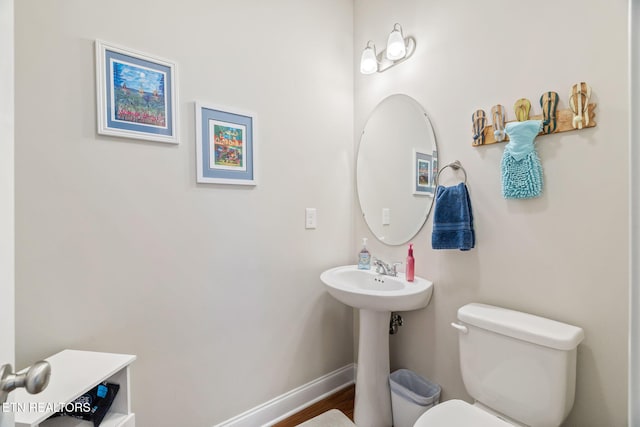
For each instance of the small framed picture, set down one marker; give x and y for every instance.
(136, 94)
(422, 174)
(225, 145)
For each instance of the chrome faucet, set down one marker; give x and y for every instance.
(386, 269)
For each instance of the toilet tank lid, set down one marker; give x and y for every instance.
(523, 326)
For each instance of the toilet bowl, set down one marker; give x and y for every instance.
(519, 368)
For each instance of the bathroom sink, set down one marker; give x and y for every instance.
(366, 289)
(376, 296)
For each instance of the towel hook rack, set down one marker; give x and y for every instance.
(455, 165)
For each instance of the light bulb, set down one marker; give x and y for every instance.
(368, 61)
(396, 48)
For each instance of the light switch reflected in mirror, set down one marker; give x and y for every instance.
(397, 157)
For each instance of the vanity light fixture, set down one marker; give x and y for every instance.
(398, 50)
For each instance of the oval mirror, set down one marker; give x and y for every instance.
(395, 168)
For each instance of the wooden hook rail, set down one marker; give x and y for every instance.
(575, 118)
(564, 118)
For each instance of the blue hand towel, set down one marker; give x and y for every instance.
(521, 168)
(453, 219)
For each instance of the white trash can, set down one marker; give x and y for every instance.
(411, 396)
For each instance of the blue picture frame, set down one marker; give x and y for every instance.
(136, 94)
(225, 145)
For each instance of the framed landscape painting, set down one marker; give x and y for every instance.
(136, 94)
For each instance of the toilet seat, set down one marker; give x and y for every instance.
(457, 413)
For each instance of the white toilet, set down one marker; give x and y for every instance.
(519, 368)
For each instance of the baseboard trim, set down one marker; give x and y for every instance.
(289, 403)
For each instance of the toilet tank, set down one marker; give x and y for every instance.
(517, 364)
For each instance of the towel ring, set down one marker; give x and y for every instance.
(453, 165)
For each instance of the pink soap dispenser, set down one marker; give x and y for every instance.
(410, 264)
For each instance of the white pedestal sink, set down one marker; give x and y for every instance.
(376, 296)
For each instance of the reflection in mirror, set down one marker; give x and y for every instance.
(396, 166)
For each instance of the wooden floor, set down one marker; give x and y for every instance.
(341, 400)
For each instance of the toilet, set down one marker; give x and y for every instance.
(519, 368)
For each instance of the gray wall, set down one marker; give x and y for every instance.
(564, 255)
(634, 178)
(215, 288)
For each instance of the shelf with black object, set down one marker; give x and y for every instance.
(74, 373)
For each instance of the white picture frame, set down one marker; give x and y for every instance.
(226, 149)
(136, 93)
(422, 184)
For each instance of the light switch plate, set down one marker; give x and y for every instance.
(311, 218)
(386, 216)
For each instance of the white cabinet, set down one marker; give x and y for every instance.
(73, 373)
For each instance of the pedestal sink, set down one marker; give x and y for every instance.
(376, 296)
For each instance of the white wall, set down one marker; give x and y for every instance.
(119, 250)
(7, 218)
(215, 288)
(563, 255)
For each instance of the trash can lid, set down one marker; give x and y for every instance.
(459, 413)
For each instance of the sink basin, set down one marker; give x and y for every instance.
(366, 289)
(376, 296)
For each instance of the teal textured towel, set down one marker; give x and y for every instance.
(521, 168)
